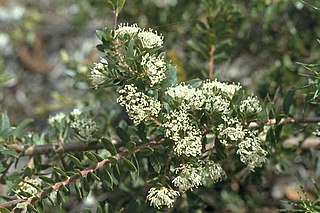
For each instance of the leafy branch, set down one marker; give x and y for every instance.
(45, 192)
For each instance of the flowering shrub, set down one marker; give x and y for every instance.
(180, 114)
(178, 138)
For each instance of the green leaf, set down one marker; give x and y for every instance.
(108, 178)
(10, 152)
(59, 171)
(78, 191)
(195, 82)
(94, 176)
(122, 134)
(7, 132)
(156, 165)
(91, 157)
(146, 151)
(130, 145)
(99, 34)
(129, 165)
(111, 4)
(120, 5)
(4, 210)
(113, 160)
(75, 160)
(108, 145)
(21, 127)
(5, 122)
(288, 100)
(47, 179)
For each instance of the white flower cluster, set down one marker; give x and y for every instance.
(213, 171)
(148, 38)
(250, 151)
(162, 196)
(231, 130)
(217, 103)
(191, 176)
(316, 133)
(250, 105)
(29, 186)
(186, 136)
(155, 68)
(138, 105)
(76, 113)
(188, 96)
(96, 75)
(216, 87)
(85, 127)
(57, 118)
(126, 29)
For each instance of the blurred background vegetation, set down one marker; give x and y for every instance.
(48, 47)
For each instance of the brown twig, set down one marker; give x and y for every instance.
(284, 121)
(121, 58)
(43, 194)
(4, 173)
(57, 148)
(78, 147)
(211, 62)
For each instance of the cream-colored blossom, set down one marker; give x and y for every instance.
(160, 197)
(217, 87)
(217, 103)
(96, 75)
(28, 185)
(231, 130)
(84, 127)
(250, 151)
(213, 171)
(155, 68)
(189, 97)
(186, 136)
(126, 29)
(189, 177)
(57, 118)
(150, 39)
(250, 105)
(138, 105)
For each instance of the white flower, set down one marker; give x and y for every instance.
(84, 127)
(188, 96)
(155, 67)
(316, 133)
(138, 105)
(76, 113)
(190, 145)
(57, 118)
(217, 87)
(232, 130)
(218, 104)
(126, 29)
(162, 196)
(29, 186)
(251, 152)
(96, 75)
(150, 39)
(189, 177)
(213, 171)
(250, 105)
(186, 136)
